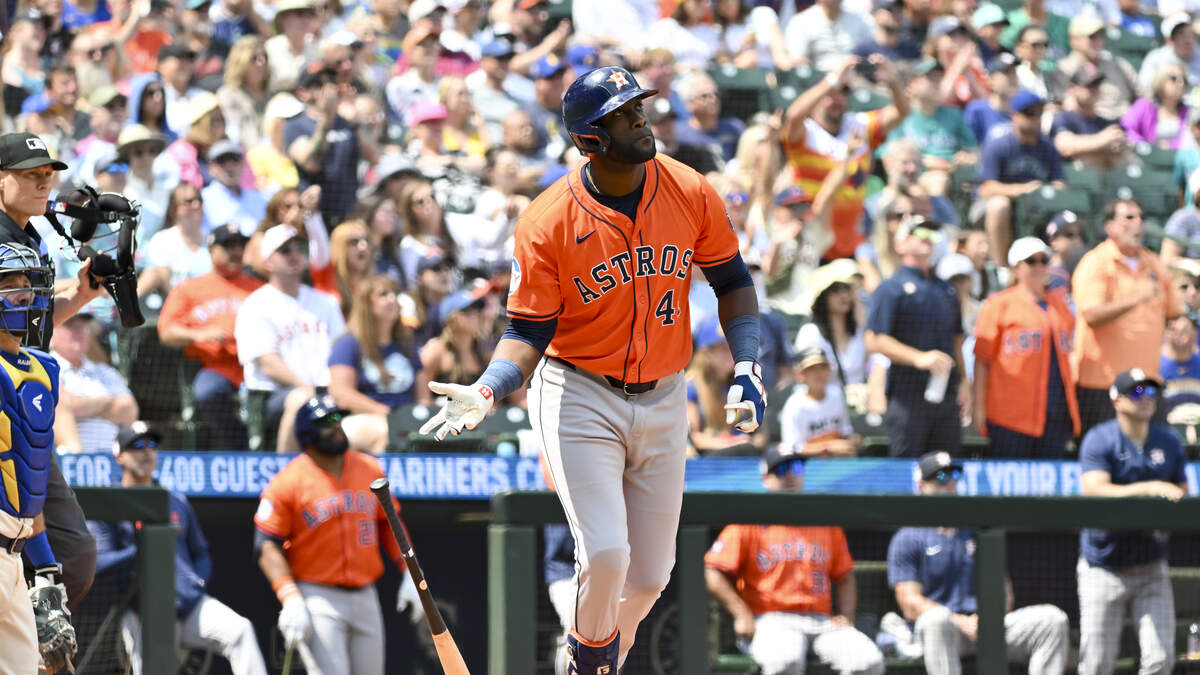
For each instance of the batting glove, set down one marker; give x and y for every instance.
(465, 408)
(294, 621)
(56, 635)
(747, 400)
(410, 598)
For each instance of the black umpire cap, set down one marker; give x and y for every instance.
(26, 151)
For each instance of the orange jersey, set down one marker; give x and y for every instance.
(329, 525)
(1013, 337)
(619, 289)
(811, 157)
(210, 300)
(1131, 340)
(782, 568)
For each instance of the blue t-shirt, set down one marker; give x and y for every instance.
(728, 132)
(338, 175)
(1005, 159)
(922, 312)
(1175, 370)
(401, 368)
(943, 563)
(981, 117)
(905, 50)
(74, 19)
(1105, 448)
(1072, 121)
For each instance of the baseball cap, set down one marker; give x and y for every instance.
(811, 356)
(1171, 23)
(944, 25)
(344, 38)
(102, 96)
(283, 106)
(547, 66)
(110, 162)
(927, 66)
(583, 58)
(201, 104)
(954, 265)
(457, 302)
(175, 50)
(426, 111)
(224, 148)
(913, 223)
(1085, 25)
(430, 261)
(931, 463)
(1001, 62)
(988, 14)
(1188, 266)
(708, 333)
(127, 435)
(139, 133)
(1063, 222)
(419, 9)
(1087, 75)
(1024, 99)
(26, 151)
(1025, 248)
(792, 195)
(316, 74)
(291, 6)
(498, 48)
(1125, 382)
(229, 232)
(276, 237)
(393, 164)
(778, 454)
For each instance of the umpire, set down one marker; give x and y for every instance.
(26, 179)
(1121, 572)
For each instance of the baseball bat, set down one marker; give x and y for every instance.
(447, 649)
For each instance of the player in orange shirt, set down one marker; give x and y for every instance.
(816, 130)
(317, 539)
(199, 315)
(598, 305)
(777, 582)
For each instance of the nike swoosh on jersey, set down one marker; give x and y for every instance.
(580, 240)
(933, 550)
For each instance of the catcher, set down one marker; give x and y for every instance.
(36, 636)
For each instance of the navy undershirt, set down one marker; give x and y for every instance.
(626, 204)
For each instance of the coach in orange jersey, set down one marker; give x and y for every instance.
(1123, 298)
(1024, 392)
(778, 582)
(317, 541)
(598, 308)
(816, 129)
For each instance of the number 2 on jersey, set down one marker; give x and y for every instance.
(666, 308)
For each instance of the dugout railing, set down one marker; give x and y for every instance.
(155, 564)
(518, 516)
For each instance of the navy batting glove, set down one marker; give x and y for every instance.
(747, 400)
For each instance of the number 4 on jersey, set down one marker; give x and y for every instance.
(666, 308)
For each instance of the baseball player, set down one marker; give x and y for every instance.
(778, 583)
(599, 316)
(37, 635)
(316, 541)
(1126, 572)
(203, 621)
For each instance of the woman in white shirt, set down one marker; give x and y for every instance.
(690, 38)
(177, 251)
(837, 324)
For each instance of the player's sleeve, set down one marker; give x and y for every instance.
(904, 558)
(987, 331)
(253, 332)
(111, 551)
(274, 515)
(1095, 452)
(534, 292)
(716, 242)
(727, 551)
(196, 543)
(840, 561)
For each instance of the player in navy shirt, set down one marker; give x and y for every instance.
(932, 570)
(1122, 572)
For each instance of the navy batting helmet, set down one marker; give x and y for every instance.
(593, 96)
(310, 416)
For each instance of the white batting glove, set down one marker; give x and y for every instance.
(465, 408)
(294, 621)
(410, 598)
(747, 401)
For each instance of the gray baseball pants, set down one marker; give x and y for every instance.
(347, 630)
(1037, 634)
(212, 626)
(781, 642)
(1144, 591)
(617, 463)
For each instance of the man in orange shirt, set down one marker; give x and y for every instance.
(777, 582)
(1024, 395)
(198, 316)
(1123, 298)
(816, 129)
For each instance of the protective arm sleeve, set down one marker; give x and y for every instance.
(728, 276)
(536, 334)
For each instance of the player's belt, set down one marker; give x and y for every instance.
(627, 388)
(13, 546)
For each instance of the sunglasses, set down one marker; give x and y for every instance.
(944, 476)
(737, 198)
(792, 466)
(142, 444)
(1038, 260)
(924, 234)
(1141, 391)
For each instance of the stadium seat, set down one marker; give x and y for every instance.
(1079, 177)
(1129, 46)
(1034, 209)
(405, 421)
(1154, 157)
(558, 9)
(791, 83)
(964, 180)
(863, 100)
(1149, 187)
(744, 91)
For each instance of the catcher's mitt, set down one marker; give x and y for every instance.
(56, 635)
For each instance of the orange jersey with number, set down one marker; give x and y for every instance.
(782, 568)
(329, 525)
(619, 289)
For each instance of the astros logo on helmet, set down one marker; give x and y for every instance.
(593, 96)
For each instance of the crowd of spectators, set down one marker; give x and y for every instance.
(329, 190)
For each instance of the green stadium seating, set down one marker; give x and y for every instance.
(1033, 210)
(403, 425)
(964, 180)
(1131, 47)
(1084, 178)
(862, 100)
(744, 91)
(791, 83)
(1149, 187)
(1155, 158)
(559, 9)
